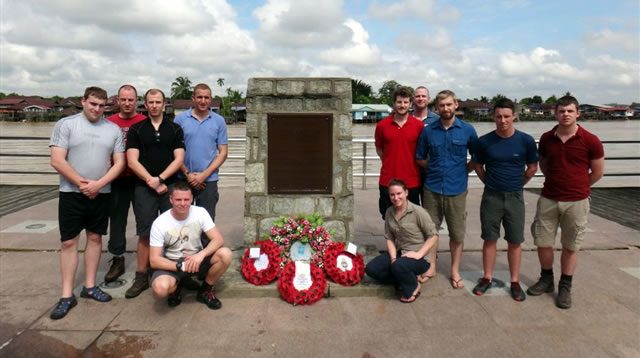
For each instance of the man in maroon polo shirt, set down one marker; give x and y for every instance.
(572, 160)
(396, 138)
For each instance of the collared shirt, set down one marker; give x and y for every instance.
(156, 147)
(399, 147)
(567, 164)
(201, 139)
(446, 150)
(430, 118)
(411, 230)
(125, 124)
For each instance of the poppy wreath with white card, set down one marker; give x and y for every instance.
(302, 283)
(343, 267)
(263, 269)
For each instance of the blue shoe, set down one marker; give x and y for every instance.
(63, 307)
(95, 293)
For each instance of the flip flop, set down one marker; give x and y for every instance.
(457, 283)
(425, 278)
(410, 299)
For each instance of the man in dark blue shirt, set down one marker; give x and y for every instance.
(501, 157)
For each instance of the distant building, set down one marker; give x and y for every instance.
(473, 109)
(369, 112)
(181, 105)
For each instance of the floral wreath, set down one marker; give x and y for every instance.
(265, 276)
(341, 275)
(308, 230)
(304, 297)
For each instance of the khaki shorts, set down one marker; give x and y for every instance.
(571, 216)
(453, 208)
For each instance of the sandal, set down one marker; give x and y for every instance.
(457, 283)
(63, 307)
(516, 292)
(483, 285)
(95, 293)
(425, 278)
(413, 297)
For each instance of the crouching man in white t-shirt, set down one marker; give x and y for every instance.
(176, 250)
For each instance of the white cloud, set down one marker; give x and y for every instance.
(424, 10)
(613, 40)
(358, 52)
(539, 62)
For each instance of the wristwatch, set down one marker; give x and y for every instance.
(179, 265)
(160, 179)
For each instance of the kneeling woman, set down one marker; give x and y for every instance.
(410, 234)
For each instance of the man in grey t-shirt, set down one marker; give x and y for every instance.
(88, 152)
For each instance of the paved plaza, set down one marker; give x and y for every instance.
(362, 321)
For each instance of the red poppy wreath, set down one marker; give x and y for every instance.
(343, 267)
(307, 296)
(257, 271)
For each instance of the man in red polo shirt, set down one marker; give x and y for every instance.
(572, 160)
(396, 139)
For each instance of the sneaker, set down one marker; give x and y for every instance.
(544, 284)
(140, 283)
(175, 297)
(63, 307)
(564, 294)
(208, 297)
(116, 270)
(516, 292)
(95, 293)
(483, 285)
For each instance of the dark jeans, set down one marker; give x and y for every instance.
(384, 202)
(403, 271)
(121, 198)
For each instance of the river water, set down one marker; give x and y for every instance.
(605, 130)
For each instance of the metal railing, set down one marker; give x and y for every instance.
(365, 158)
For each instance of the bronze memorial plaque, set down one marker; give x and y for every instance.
(300, 153)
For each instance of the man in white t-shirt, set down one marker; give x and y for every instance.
(176, 250)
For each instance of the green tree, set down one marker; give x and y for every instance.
(484, 99)
(181, 88)
(220, 81)
(536, 100)
(551, 100)
(526, 100)
(497, 97)
(2, 95)
(360, 88)
(385, 93)
(362, 99)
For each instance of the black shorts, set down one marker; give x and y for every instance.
(205, 265)
(77, 212)
(147, 205)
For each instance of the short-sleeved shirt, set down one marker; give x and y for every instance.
(446, 151)
(567, 164)
(399, 147)
(89, 145)
(156, 147)
(430, 118)
(505, 159)
(125, 124)
(180, 238)
(411, 230)
(201, 139)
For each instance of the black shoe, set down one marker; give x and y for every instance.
(63, 307)
(175, 298)
(208, 297)
(516, 292)
(544, 284)
(116, 270)
(140, 283)
(564, 294)
(483, 285)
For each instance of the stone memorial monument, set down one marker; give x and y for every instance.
(298, 154)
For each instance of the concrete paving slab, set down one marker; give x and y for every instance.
(556, 341)
(33, 227)
(373, 314)
(36, 343)
(88, 315)
(133, 344)
(19, 312)
(30, 274)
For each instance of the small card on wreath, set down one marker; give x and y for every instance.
(351, 248)
(254, 252)
(261, 263)
(302, 280)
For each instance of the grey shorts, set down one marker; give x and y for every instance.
(506, 208)
(452, 208)
(147, 205)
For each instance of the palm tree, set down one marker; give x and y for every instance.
(360, 88)
(220, 81)
(181, 88)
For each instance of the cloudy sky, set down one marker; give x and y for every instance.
(517, 48)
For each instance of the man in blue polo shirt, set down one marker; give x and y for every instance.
(442, 151)
(206, 143)
(421, 110)
(501, 157)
